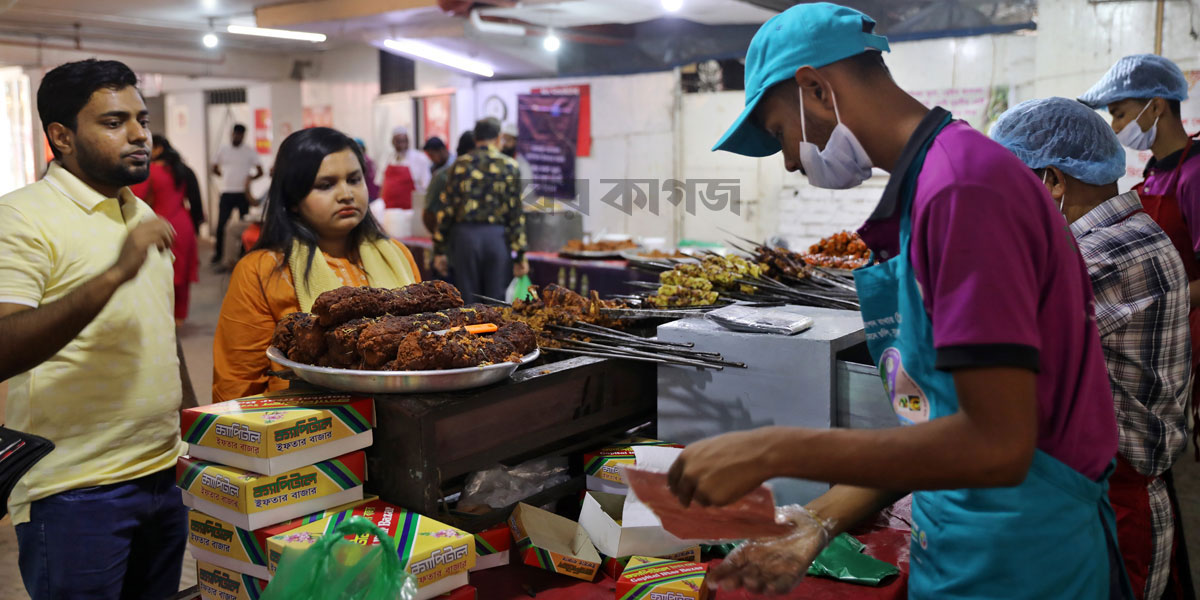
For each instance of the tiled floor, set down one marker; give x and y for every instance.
(197, 336)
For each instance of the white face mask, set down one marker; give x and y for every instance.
(843, 163)
(1132, 136)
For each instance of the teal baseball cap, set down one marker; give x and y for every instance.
(814, 35)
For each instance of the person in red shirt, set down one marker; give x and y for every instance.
(166, 191)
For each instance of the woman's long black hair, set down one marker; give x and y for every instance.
(292, 179)
(179, 171)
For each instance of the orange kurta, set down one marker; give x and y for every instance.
(259, 296)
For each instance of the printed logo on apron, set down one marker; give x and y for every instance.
(908, 400)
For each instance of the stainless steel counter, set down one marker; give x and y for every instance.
(818, 378)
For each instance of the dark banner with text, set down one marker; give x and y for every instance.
(547, 133)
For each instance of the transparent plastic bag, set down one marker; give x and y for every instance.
(783, 320)
(775, 564)
(501, 486)
(336, 568)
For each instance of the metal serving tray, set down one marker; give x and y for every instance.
(400, 382)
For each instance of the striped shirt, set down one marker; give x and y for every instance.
(1142, 306)
(1142, 312)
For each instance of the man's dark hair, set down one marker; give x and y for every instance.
(239, 128)
(487, 129)
(1173, 105)
(868, 64)
(66, 89)
(434, 143)
(466, 143)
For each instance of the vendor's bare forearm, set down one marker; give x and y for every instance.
(33, 335)
(989, 443)
(844, 506)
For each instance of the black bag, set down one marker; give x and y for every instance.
(18, 453)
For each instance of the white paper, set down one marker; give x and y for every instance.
(636, 514)
(655, 458)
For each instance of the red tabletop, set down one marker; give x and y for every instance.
(519, 581)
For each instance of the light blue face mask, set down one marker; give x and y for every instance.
(843, 163)
(1132, 136)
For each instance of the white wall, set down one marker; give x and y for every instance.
(186, 127)
(776, 202)
(1077, 42)
(632, 137)
(347, 79)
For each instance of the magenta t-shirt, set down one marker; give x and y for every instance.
(1004, 284)
(1162, 177)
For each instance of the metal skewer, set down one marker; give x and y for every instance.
(628, 357)
(617, 332)
(630, 345)
(633, 339)
(691, 361)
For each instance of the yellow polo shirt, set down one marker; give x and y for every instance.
(110, 399)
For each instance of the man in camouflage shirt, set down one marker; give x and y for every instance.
(480, 225)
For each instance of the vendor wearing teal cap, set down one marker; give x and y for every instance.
(978, 311)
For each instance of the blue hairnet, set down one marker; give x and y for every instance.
(1140, 76)
(1057, 132)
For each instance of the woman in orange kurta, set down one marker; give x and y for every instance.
(317, 232)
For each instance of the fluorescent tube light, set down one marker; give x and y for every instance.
(283, 34)
(432, 53)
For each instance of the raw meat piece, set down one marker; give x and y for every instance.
(751, 517)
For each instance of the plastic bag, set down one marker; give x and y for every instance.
(843, 560)
(783, 320)
(501, 486)
(776, 564)
(518, 289)
(336, 568)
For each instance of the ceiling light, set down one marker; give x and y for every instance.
(432, 53)
(284, 34)
(672, 5)
(551, 42)
(210, 40)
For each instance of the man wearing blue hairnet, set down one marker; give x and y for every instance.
(1142, 304)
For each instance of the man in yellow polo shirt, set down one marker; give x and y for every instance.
(89, 350)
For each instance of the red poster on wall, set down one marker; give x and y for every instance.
(262, 130)
(584, 139)
(435, 111)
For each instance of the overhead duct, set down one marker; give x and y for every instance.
(656, 46)
(492, 27)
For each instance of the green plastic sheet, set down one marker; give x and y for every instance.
(844, 560)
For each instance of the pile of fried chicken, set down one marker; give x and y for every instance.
(404, 329)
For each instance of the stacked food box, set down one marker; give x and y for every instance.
(262, 467)
(619, 525)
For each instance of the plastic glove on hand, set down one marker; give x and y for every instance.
(775, 565)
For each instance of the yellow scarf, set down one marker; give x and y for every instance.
(384, 262)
